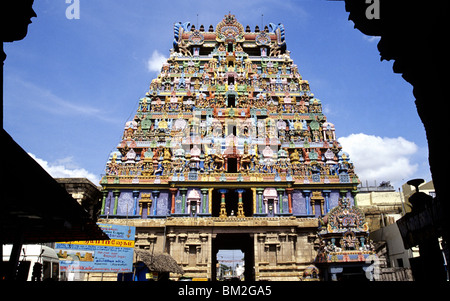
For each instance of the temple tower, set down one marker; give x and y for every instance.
(229, 149)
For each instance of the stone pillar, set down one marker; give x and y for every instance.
(198, 251)
(155, 201)
(259, 192)
(116, 194)
(105, 194)
(431, 259)
(136, 205)
(172, 237)
(204, 248)
(354, 193)
(280, 199)
(223, 210)
(182, 237)
(260, 252)
(307, 201)
(289, 193)
(240, 212)
(173, 192)
(326, 194)
(210, 200)
(292, 237)
(183, 199)
(255, 206)
(204, 198)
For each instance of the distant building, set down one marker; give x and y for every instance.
(383, 206)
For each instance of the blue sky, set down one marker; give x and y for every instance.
(71, 84)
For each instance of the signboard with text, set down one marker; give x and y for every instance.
(99, 256)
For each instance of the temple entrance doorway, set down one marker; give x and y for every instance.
(224, 246)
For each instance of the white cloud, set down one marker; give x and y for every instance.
(66, 168)
(371, 38)
(156, 61)
(48, 101)
(381, 159)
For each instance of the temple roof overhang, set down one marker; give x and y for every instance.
(34, 207)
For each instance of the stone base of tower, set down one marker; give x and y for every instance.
(275, 249)
(289, 272)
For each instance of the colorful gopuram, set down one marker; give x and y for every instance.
(229, 149)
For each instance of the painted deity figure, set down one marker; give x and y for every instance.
(246, 160)
(218, 162)
(207, 163)
(113, 167)
(294, 157)
(159, 170)
(349, 242)
(167, 156)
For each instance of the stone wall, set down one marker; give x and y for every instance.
(282, 247)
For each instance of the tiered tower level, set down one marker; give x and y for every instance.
(229, 134)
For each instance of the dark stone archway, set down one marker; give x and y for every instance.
(413, 34)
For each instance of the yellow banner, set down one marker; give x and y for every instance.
(108, 243)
